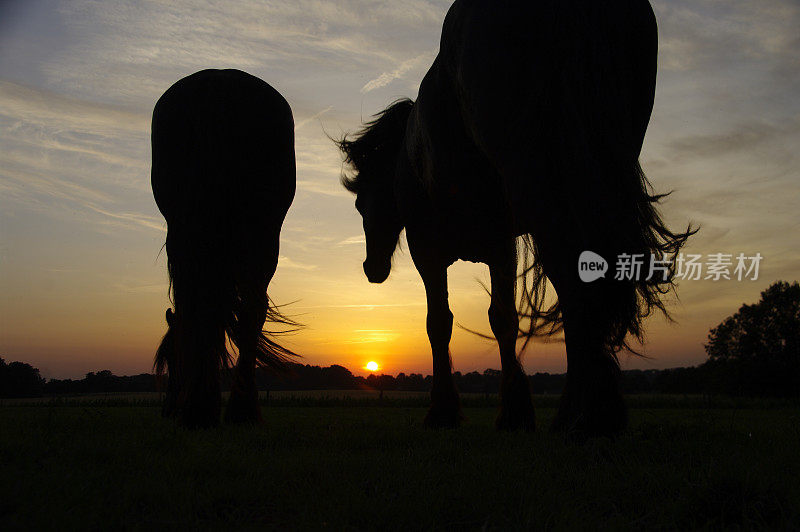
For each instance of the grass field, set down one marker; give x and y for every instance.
(334, 460)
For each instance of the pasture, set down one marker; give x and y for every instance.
(351, 460)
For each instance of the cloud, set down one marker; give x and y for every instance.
(741, 138)
(402, 69)
(715, 35)
(42, 107)
(327, 188)
(286, 262)
(357, 239)
(140, 287)
(150, 222)
(365, 306)
(305, 121)
(131, 52)
(369, 336)
(70, 159)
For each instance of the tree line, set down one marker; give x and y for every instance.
(754, 352)
(22, 380)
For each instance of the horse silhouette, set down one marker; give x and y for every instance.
(223, 176)
(529, 123)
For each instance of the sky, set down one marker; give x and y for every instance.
(83, 283)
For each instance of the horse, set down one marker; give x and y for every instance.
(223, 176)
(521, 151)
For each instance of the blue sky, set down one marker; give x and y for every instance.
(84, 287)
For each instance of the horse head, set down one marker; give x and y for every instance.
(372, 154)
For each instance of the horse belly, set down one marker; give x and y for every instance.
(472, 211)
(456, 185)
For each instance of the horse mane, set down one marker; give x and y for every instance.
(376, 144)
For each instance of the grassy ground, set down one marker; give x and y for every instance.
(95, 466)
(351, 398)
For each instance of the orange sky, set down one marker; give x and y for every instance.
(83, 286)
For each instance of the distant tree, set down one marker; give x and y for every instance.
(386, 382)
(757, 350)
(103, 382)
(546, 383)
(337, 376)
(492, 380)
(413, 382)
(472, 382)
(18, 379)
(675, 380)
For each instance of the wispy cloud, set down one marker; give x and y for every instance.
(311, 118)
(742, 137)
(150, 222)
(62, 156)
(329, 188)
(371, 336)
(357, 239)
(140, 288)
(286, 262)
(402, 69)
(366, 306)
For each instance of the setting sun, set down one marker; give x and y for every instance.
(372, 366)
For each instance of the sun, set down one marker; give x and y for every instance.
(372, 365)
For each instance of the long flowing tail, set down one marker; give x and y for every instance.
(620, 218)
(268, 353)
(193, 351)
(212, 302)
(166, 349)
(165, 355)
(599, 198)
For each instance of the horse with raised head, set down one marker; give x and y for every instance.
(529, 123)
(223, 176)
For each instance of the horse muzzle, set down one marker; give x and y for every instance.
(377, 273)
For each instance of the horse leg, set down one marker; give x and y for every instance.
(516, 407)
(243, 404)
(591, 404)
(445, 410)
(200, 343)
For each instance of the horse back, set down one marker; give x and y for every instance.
(223, 149)
(537, 71)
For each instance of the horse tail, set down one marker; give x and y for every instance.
(270, 353)
(633, 228)
(164, 359)
(617, 218)
(193, 352)
(605, 202)
(256, 304)
(649, 236)
(166, 349)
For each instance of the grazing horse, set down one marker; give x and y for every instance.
(528, 124)
(223, 176)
